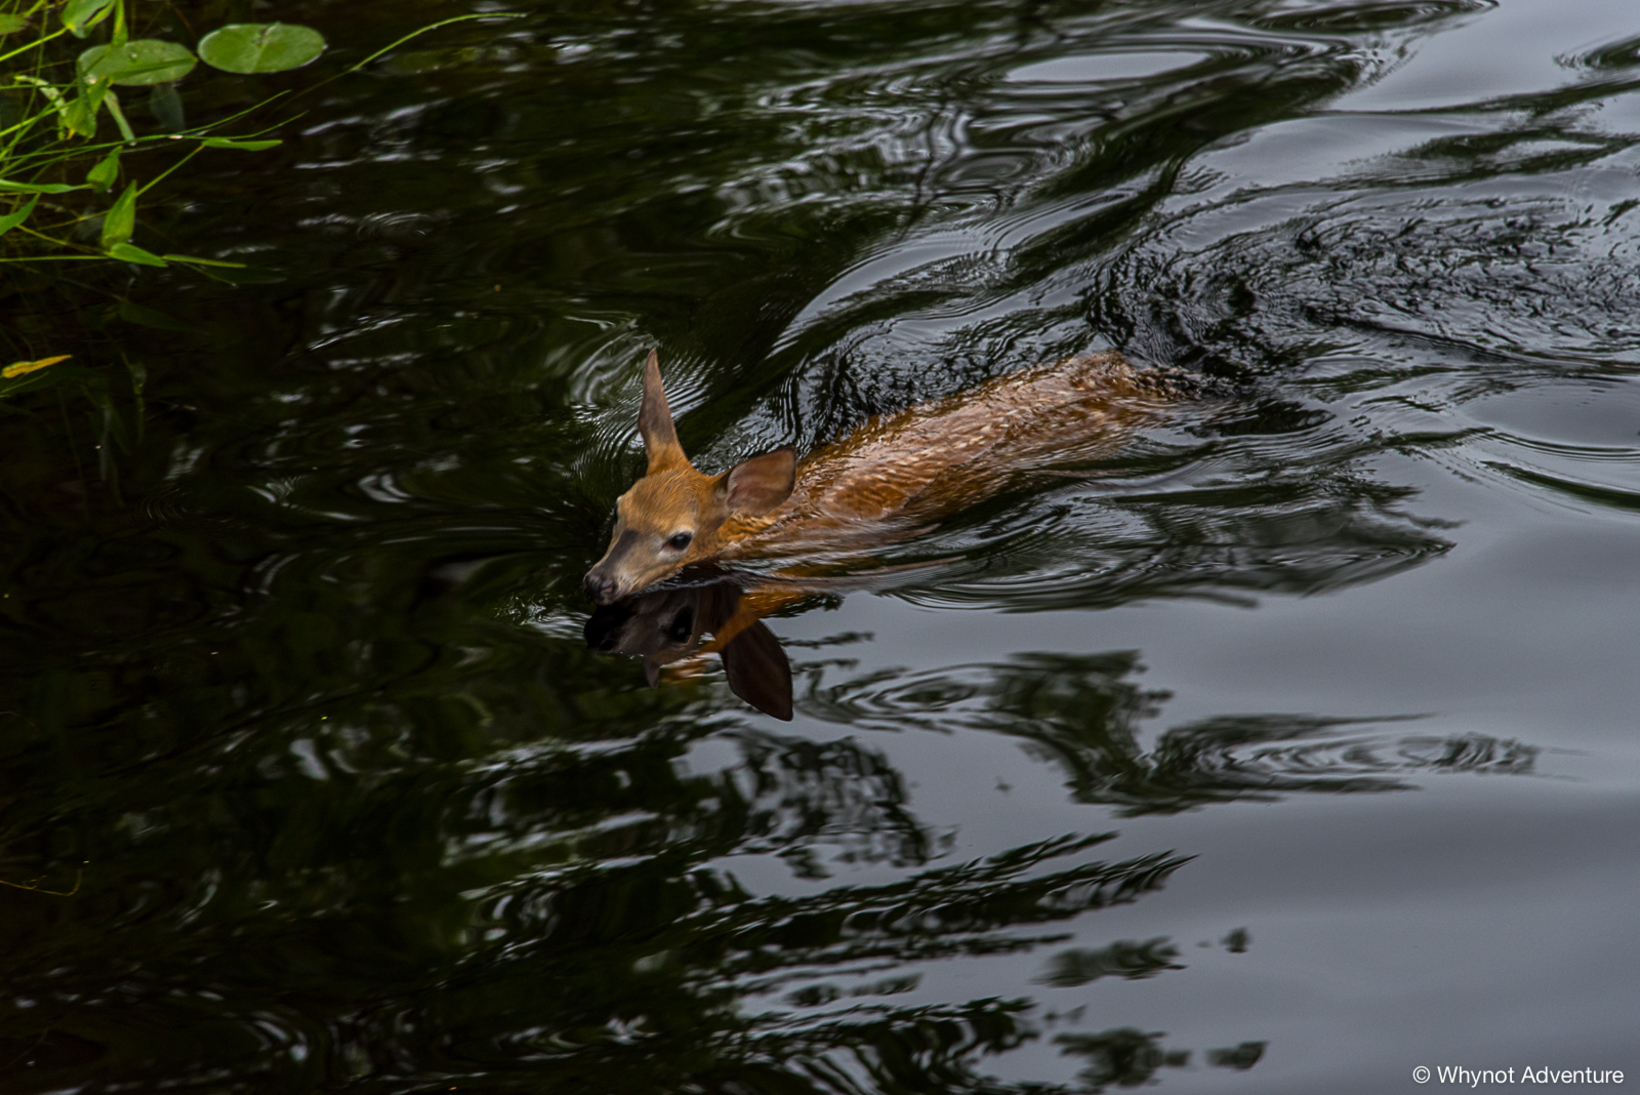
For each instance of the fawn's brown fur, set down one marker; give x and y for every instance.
(892, 476)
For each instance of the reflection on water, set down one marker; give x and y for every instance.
(1080, 713)
(1083, 714)
(665, 625)
(295, 652)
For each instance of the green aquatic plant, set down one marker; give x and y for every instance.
(53, 105)
(61, 171)
(56, 104)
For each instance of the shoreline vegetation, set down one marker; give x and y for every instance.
(58, 164)
(72, 75)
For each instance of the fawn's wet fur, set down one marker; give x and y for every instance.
(892, 476)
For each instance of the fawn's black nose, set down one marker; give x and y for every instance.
(599, 588)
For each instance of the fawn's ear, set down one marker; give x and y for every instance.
(660, 437)
(759, 671)
(758, 485)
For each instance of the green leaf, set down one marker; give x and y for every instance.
(138, 62)
(113, 104)
(9, 186)
(81, 15)
(74, 115)
(11, 23)
(130, 252)
(18, 216)
(50, 91)
(120, 220)
(92, 92)
(232, 273)
(260, 47)
(102, 176)
(234, 142)
(209, 262)
(79, 116)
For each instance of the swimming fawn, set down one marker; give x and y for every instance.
(890, 478)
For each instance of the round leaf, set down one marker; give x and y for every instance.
(140, 61)
(260, 47)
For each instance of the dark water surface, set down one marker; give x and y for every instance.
(1293, 749)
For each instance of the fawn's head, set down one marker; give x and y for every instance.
(673, 515)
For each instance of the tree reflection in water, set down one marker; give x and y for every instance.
(810, 982)
(561, 900)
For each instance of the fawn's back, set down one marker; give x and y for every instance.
(893, 475)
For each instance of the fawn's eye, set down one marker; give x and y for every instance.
(682, 626)
(680, 541)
